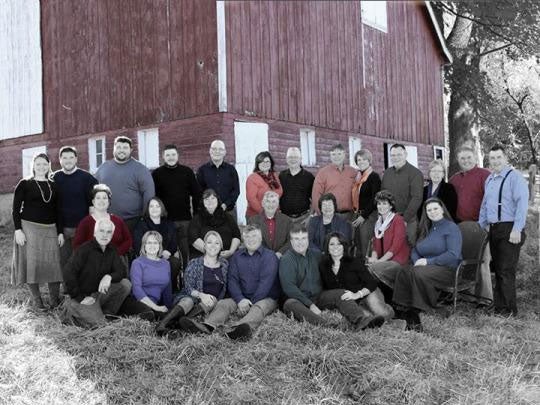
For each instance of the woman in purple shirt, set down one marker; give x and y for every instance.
(151, 275)
(435, 257)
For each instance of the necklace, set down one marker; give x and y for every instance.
(42, 194)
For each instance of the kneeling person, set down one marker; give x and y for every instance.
(301, 283)
(253, 285)
(93, 279)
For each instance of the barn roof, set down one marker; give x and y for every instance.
(438, 31)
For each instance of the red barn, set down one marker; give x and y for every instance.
(257, 74)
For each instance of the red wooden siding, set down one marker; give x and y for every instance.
(127, 63)
(302, 62)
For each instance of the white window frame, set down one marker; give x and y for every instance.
(307, 147)
(148, 147)
(355, 144)
(27, 155)
(92, 153)
(440, 149)
(374, 14)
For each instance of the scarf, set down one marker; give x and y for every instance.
(361, 178)
(270, 180)
(381, 227)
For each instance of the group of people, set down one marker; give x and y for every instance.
(166, 245)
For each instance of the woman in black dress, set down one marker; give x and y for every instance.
(38, 233)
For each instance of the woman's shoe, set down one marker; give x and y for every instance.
(163, 327)
(413, 321)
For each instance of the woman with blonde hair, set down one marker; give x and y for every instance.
(38, 233)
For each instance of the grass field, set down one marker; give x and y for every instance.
(470, 358)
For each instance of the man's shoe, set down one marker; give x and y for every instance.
(240, 332)
(193, 326)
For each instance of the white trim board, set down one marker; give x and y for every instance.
(222, 56)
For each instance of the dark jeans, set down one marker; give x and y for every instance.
(504, 259)
(329, 299)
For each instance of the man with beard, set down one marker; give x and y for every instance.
(177, 187)
(130, 182)
(74, 186)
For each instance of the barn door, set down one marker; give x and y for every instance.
(250, 138)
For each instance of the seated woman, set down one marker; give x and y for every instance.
(205, 282)
(101, 200)
(341, 271)
(435, 256)
(211, 217)
(150, 275)
(321, 225)
(155, 219)
(263, 179)
(439, 188)
(390, 249)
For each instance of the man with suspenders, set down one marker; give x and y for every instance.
(503, 214)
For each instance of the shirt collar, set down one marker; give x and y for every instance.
(503, 172)
(244, 251)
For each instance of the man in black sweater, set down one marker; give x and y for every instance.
(93, 279)
(177, 187)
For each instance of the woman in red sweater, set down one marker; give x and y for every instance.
(390, 248)
(260, 181)
(101, 200)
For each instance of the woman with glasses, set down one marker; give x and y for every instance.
(263, 179)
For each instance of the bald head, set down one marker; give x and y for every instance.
(103, 232)
(294, 159)
(217, 152)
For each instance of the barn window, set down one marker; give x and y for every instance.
(355, 144)
(27, 156)
(20, 69)
(374, 14)
(307, 147)
(148, 147)
(96, 153)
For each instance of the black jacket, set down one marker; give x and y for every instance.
(366, 199)
(447, 194)
(352, 275)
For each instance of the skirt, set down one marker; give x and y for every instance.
(38, 261)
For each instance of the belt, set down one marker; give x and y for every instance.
(494, 224)
(344, 212)
(298, 215)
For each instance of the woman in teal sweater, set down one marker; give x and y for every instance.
(435, 257)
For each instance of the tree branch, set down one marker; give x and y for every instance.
(500, 48)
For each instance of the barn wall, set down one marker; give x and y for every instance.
(127, 63)
(303, 62)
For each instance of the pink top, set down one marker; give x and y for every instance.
(255, 189)
(338, 182)
(121, 239)
(395, 241)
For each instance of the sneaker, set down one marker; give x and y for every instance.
(193, 326)
(240, 332)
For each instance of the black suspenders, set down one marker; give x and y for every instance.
(499, 205)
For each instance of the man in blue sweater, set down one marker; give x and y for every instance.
(74, 187)
(129, 180)
(253, 285)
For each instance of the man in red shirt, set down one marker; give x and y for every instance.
(469, 185)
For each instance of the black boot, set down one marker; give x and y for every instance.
(176, 312)
(54, 295)
(413, 321)
(240, 332)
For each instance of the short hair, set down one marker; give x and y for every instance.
(465, 148)
(216, 234)
(170, 146)
(269, 193)
(147, 236)
(386, 196)
(298, 228)
(251, 228)
(398, 146)
(341, 238)
(67, 149)
(366, 154)
(123, 139)
(498, 146)
(102, 222)
(435, 163)
(101, 188)
(162, 206)
(337, 146)
(328, 197)
(260, 157)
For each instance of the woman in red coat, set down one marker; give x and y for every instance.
(390, 248)
(260, 181)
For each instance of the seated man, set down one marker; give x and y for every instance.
(301, 283)
(93, 279)
(274, 225)
(253, 285)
